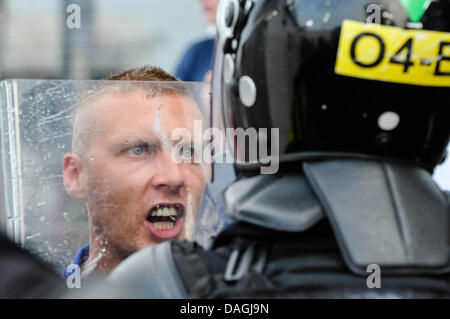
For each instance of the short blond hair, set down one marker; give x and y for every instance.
(144, 73)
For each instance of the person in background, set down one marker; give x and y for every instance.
(197, 60)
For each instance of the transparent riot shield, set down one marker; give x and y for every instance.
(117, 164)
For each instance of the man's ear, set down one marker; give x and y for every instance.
(73, 176)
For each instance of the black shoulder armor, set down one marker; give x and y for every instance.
(382, 213)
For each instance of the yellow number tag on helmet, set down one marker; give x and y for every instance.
(391, 54)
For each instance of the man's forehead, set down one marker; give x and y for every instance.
(133, 100)
(135, 113)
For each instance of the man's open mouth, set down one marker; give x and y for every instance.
(165, 216)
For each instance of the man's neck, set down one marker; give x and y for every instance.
(101, 260)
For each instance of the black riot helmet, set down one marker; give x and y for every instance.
(344, 78)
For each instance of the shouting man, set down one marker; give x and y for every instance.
(122, 166)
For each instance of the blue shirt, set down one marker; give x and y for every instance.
(81, 256)
(196, 62)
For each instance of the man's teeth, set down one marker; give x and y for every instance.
(165, 217)
(163, 225)
(166, 211)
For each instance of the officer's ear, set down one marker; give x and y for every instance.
(73, 175)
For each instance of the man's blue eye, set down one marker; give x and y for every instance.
(137, 150)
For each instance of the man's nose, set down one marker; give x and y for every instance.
(169, 176)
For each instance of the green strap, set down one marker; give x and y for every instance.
(415, 8)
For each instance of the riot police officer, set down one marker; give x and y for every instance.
(362, 112)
